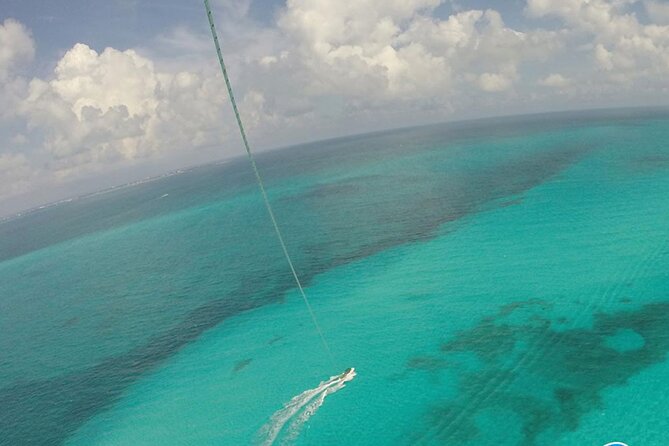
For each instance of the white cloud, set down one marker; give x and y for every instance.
(378, 51)
(16, 47)
(19, 139)
(16, 172)
(100, 111)
(115, 106)
(623, 47)
(658, 11)
(604, 57)
(494, 82)
(555, 80)
(16, 51)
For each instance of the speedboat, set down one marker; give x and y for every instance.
(348, 374)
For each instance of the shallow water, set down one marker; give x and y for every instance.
(491, 282)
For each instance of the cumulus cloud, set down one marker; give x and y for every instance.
(657, 11)
(622, 47)
(101, 110)
(16, 47)
(555, 80)
(398, 50)
(492, 82)
(98, 111)
(114, 105)
(16, 173)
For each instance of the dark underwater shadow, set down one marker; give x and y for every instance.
(546, 377)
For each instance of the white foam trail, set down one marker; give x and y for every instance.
(279, 419)
(296, 426)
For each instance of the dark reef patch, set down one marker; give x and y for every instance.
(429, 363)
(241, 365)
(71, 322)
(556, 376)
(275, 339)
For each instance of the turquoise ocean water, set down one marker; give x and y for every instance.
(493, 282)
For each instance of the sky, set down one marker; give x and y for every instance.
(98, 93)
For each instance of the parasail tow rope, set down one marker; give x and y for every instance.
(261, 185)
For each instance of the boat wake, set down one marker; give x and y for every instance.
(300, 408)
